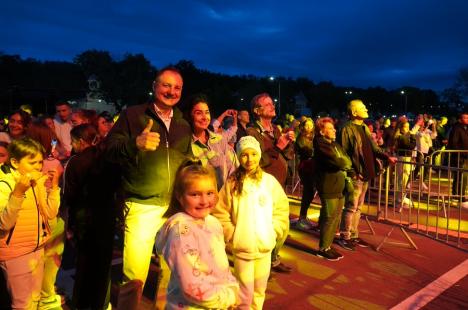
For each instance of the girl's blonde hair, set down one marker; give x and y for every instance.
(189, 170)
(238, 178)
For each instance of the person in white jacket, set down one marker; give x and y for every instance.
(254, 211)
(192, 244)
(424, 138)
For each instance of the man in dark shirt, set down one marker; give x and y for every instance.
(458, 140)
(358, 144)
(243, 122)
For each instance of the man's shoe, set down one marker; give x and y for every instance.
(346, 244)
(281, 268)
(304, 224)
(360, 242)
(328, 255)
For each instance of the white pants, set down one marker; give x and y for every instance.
(24, 279)
(142, 222)
(253, 280)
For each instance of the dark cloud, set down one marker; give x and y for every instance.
(351, 43)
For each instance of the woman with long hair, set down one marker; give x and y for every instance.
(306, 169)
(18, 122)
(211, 148)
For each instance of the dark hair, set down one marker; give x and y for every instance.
(4, 144)
(305, 138)
(191, 103)
(59, 103)
(86, 132)
(190, 169)
(25, 117)
(107, 116)
(25, 147)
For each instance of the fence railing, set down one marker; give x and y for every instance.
(425, 197)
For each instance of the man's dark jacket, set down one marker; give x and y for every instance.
(147, 176)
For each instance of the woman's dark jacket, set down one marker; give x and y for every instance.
(332, 166)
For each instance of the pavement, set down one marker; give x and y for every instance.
(393, 274)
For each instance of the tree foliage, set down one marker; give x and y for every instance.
(128, 81)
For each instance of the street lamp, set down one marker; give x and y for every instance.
(272, 78)
(403, 93)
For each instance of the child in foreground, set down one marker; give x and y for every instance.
(26, 207)
(192, 244)
(254, 211)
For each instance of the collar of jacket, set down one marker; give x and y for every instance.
(177, 115)
(212, 138)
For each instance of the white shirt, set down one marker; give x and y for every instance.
(62, 130)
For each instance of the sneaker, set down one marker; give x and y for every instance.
(281, 268)
(360, 242)
(346, 244)
(304, 224)
(407, 203)
(338, 254)
(328, 255)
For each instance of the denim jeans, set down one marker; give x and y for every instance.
(352, 210)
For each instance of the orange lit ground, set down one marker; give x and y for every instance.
(365, 279)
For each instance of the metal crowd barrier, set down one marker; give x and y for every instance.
(433, 201)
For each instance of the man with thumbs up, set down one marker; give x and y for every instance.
(149, 142)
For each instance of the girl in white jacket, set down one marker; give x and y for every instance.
(193, 246)
(254, 211)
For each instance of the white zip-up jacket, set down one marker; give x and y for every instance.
(254, 220)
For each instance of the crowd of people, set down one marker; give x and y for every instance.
(192, 187)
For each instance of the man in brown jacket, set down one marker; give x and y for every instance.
(277, 149)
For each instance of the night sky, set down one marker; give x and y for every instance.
(394, 43)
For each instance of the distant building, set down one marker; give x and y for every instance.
(301, 107)
(94, 98)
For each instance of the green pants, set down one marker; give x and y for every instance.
(330, 215)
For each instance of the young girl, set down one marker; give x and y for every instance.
(53, 248)
(192, 244)
(26, 206)
(254, 211)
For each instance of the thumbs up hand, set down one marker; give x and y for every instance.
(148, 140)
